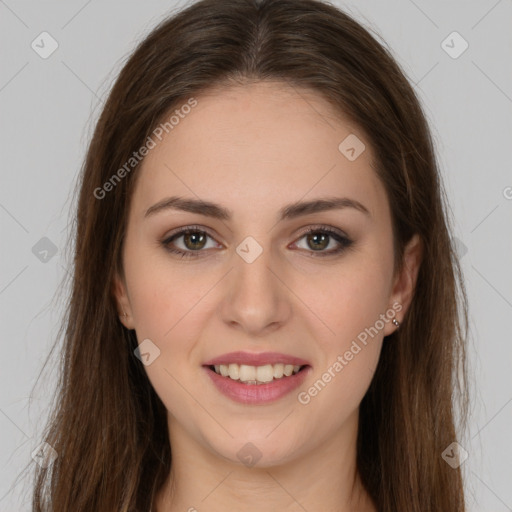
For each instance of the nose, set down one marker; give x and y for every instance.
(257, 300)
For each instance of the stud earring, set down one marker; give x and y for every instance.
(396, 323)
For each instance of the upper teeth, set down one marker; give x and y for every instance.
(256, 374)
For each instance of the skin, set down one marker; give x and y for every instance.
(254, 149)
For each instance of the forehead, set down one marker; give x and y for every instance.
(259, 145)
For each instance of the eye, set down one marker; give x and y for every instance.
(321, 237)
(317, 239)
(193, 241)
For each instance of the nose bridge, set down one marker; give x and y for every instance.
(256, 298)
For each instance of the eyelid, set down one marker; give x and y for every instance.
(322, 227)
(301, 232)
(183, 229)
(344, 241)
(340, 237)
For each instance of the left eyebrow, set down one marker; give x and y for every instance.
(289, 211)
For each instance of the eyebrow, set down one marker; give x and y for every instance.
(289, 211)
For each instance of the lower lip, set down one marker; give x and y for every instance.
(257, 393)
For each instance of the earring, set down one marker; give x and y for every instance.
(396, 323)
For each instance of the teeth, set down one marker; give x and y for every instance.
(246, 372)
(278, 371)
(256, 374)
(288, 369)
(234, 371)
(265, 373)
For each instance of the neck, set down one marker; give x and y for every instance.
(325, 478)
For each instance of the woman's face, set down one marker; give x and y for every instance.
(251, 285)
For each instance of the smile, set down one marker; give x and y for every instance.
(254, 379)
(255, 374)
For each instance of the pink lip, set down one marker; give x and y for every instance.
(254, 394)
(253, 359)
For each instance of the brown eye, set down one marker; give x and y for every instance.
(194, 240)
(189, 242)
(318, 241)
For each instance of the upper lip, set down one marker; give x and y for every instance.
(256, 359)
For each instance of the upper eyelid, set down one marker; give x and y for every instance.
(183, 231)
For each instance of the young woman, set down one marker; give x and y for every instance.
(267, 312)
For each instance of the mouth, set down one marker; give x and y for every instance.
(256, 375)
(256, 379)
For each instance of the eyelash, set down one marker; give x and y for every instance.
(344, 242)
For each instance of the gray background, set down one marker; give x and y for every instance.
(47, 111)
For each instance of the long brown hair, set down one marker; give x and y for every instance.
(108, 426)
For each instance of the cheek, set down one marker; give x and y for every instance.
(165, 306)
(349, 305)
(350, 348)
(163, 297)
(340, 386)
(349, 299)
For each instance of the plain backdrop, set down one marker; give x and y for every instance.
(48, 107)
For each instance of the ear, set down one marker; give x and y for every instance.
(123, 302)
(405, 281)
